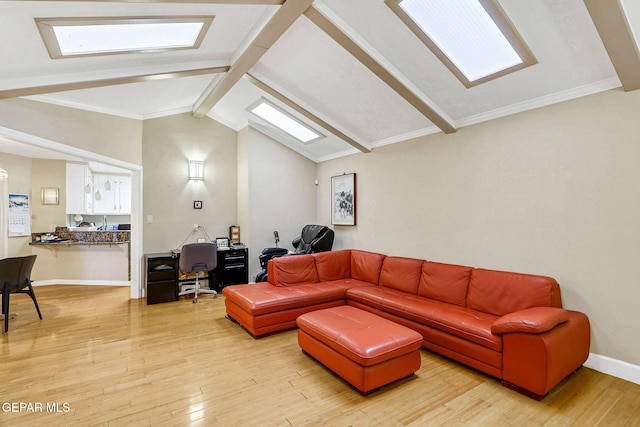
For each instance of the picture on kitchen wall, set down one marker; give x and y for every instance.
(19, 215)
(343, 199)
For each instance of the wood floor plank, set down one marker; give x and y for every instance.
(105, 360)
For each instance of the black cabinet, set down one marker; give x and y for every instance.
(161, 276)
(233, 267)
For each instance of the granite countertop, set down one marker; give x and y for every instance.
(64, 237)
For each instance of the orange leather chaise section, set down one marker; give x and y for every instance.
(294, 288)
(364, 349)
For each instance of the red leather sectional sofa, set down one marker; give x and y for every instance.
(509, 325)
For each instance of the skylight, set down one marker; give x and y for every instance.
(101, 36)
(284, 122)
(474, 38)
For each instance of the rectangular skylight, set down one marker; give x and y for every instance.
(284, 122)
(100, 36)
(466, 34)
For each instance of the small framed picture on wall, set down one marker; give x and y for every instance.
(197, 204)
(343, 199)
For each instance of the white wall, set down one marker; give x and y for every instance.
(19, 170)
(554, 191)
(48, 173)
(111, 136)
(281, 194)
(167, 145)
(243, 189)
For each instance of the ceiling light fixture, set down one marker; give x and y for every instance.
(72, 37)
(473, 38)
(284, 122)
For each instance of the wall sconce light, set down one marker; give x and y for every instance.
(50, 196)
(196, 169)
(4, 176)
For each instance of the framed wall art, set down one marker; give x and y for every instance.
(343, 199)
(50, 196)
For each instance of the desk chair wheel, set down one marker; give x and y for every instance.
(195, 300)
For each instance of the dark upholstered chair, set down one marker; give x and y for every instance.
(198, 257)
(15, 278)
(314, 238)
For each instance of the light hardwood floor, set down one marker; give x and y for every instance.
(104, 359)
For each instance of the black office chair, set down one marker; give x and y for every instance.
(198, 257)
(314, 238)
(15, 276)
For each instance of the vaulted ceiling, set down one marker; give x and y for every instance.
(351, 70)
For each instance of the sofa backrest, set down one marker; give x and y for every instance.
(292, 270)
(400, 273)
(366, 266)
(445, 282)
(502, 292)
(333, 265)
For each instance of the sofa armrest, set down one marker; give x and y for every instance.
(537, 362)
(532, 320)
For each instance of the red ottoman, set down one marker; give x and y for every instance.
(364, 349)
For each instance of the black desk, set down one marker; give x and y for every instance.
(162, 273)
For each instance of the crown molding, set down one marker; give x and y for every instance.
(542, 101)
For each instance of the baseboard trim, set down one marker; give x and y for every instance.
(614, 367)
(81, 282)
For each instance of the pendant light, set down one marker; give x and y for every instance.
(107, 185)
(97, 196)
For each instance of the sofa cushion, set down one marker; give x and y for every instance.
(402, 274)
(530, 320)
(349, 283)
(292, 270)
(263, 298)
(366, 266)
(460, 321)
(445, 282)
(333, 265)
(501, 292)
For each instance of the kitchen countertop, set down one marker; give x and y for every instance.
(75, 242)
(62, 236)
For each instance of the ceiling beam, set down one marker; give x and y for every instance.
(309, 115)
(615, 32)
(288, 13)
(88, 84)
(368, 61)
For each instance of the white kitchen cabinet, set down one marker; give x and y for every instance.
(125, 195)
(115, 194)
(77, 200)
